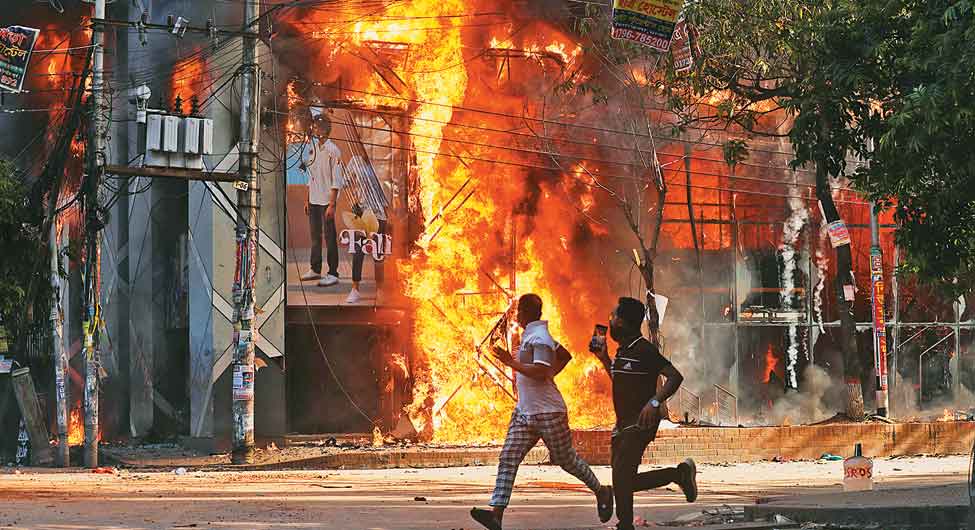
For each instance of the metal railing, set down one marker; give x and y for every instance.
(920, 366)
(726, 406)
(686, 404)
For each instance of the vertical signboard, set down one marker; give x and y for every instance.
(16, 45)
(681, 48)
(879, 322)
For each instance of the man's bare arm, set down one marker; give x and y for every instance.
(651, 415)
(671, 385)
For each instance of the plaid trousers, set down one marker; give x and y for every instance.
(524, 432)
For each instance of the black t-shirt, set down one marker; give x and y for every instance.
(635, 368)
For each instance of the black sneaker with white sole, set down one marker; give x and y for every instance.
(688, 479)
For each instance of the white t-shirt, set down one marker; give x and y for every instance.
(534, 396)
(325, 173)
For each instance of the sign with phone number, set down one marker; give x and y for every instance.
(649, 22)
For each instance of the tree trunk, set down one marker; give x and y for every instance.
(845, 288)
(646, 270)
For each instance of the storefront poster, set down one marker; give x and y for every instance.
(243, 384)
(839, 235)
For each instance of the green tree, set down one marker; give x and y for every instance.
(24, 273)
(924, 124)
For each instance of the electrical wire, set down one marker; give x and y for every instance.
(600, 160)
(581, 175)
(489, 112)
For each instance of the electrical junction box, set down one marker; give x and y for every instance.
(154, 155)
(171, 125)
(191, 143)
(206, 137)
(177, 141)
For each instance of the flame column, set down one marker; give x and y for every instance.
(248, 207)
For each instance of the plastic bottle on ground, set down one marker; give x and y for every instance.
(858, 472)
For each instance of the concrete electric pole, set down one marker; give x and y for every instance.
(96, 160)
(59, 356)
(877, 306)
(248, 207)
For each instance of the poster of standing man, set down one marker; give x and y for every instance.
(341, 189)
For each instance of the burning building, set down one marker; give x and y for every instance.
(497, 152)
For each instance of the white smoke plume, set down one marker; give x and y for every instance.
(818, 400)
(822, 269)
(790, 236)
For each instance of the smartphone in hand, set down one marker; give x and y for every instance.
(598, 342)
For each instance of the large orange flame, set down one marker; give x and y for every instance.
(772, 365)
(514, 229)
(76, 426)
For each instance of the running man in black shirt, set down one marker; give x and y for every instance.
(634, 372)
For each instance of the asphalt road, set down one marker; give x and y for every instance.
(402, 499)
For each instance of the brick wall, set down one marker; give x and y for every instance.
(718, 445)
(706, 445)
(403, 458)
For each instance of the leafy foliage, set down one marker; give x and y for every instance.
(24, 283)
(887, 81)
(925, 130)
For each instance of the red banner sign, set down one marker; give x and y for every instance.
(680, 46)
(879, 320)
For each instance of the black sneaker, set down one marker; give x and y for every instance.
(486, 518)
(688, 479)
(604, 503)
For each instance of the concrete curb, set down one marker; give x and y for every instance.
(889, 518)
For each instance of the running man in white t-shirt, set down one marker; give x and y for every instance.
(540, 414)
(322, 161)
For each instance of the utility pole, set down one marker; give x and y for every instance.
(248, 207)
(96, 161)
(879, 319)
(59, 356)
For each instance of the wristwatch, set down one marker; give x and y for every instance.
(654, 403)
